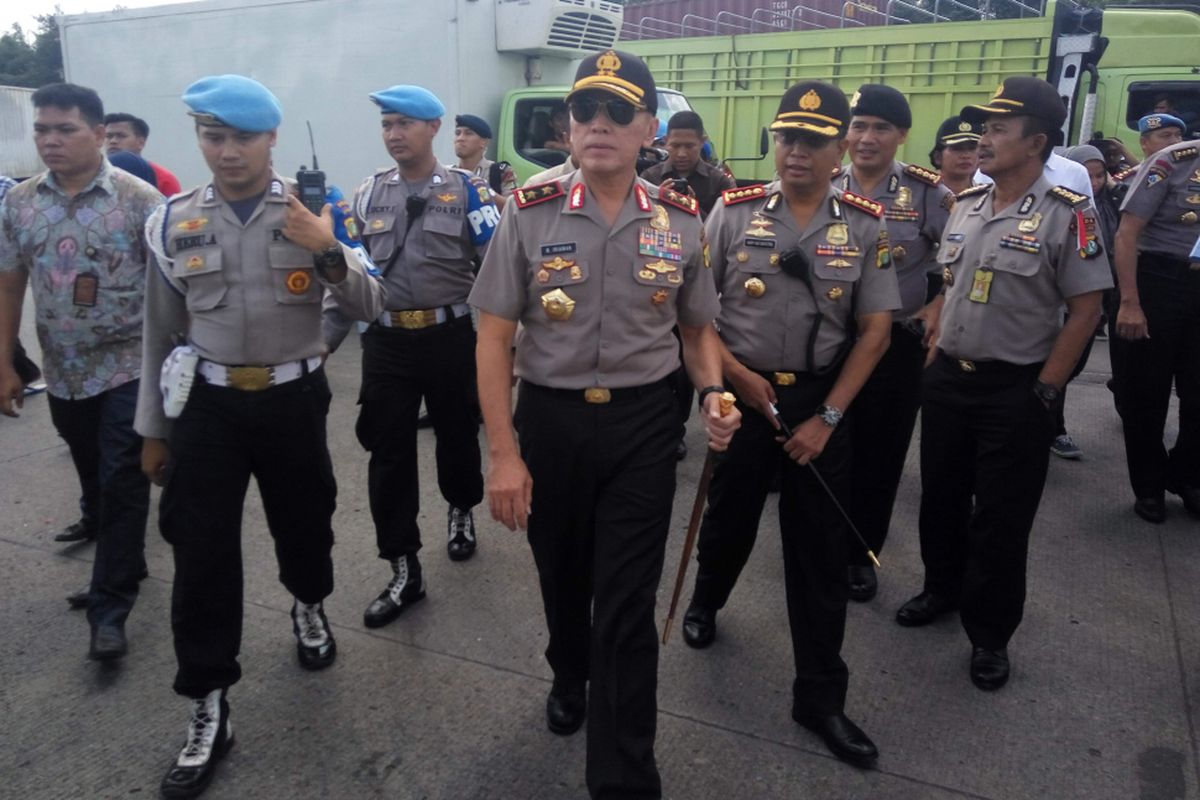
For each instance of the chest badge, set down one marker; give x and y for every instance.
(760, 226)
(835, 293)
(558, 305)
(1031, 224)
(742, 256)
(558, 263)
(195, 262)
(755, 287)
(661, 221)
(904, 198)
(298, 281)
(660, 244)
(981, 289)
(659, 297)
(838, 233)
(947, 276)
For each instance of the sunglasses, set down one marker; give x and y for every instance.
(791, 138)
(621, 112)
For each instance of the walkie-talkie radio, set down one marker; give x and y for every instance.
(311, 181)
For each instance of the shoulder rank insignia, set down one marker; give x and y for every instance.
(971, 191)
(532, 195)
(742, 194)
(1125, 174)
(1067, 196)
(862, 204)
(681, 201)
(923, 175)
(1184, 153)
(836, 172)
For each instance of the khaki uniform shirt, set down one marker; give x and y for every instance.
(916, 207)
(766, 314)
(1165, 193)
(597, 302)
(554, 173)
(707, 182)
(1007, 274)
(242, 294)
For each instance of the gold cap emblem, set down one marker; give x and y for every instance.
(608, 64)
(811, 101)
(964, 126)
(854, 100)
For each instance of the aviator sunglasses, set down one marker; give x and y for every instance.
(621, 112)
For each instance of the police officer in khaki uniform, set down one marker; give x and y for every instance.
(807, 294)
(597, 267)
(238, 271)
(955, 153)
(915, 207)
(425, 226)
(1013, 253)
(1160, 298)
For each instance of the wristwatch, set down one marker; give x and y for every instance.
(1046, 392)
(830, 415)
(706, 391)
(328, 258)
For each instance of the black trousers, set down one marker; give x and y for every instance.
(985, 448)
(107, 453)
(223, 437)
(400, 367)
(1170, 296)
(884, 415)
(813, 533)
(603, 484)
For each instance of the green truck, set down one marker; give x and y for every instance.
(1110, 65)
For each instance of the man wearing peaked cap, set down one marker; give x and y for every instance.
(240, 266)
(426, 226)
(955, 153)
(915, 207)
(804, 271)
(1012, 254)
(598, 267)
(471, 137)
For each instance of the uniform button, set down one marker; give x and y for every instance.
(603, 345)
(608, 271)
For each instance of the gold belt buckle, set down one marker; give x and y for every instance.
(785, 379)
(597, 394)
(413, 320)
(250, 379)
(965, 365)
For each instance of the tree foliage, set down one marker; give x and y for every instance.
(32, 59)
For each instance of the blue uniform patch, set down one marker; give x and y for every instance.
(481, 211)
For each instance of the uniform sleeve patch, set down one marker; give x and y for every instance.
(532, 195)
(682, 201)
(742, 194)
(862, 204)
(924, 175)
(1067, 196)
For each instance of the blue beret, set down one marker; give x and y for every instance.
(474, 123)
(134, 165)
(233, 100)
(411, 101)
(1152, 122)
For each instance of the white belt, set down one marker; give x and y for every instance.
(255, 379)
(422, 318)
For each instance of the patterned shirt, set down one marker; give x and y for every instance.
(6, 183)
(85, 258)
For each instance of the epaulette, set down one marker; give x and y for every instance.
(681, 201)
(1125, 174)
(1067, 196)
(836, 172)
(183, 195)
(743, 193)
(971, 191)
(532, 195)
(923, 175)
(862, 204)
(1184, 153)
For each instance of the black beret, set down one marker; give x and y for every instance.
(877, 100)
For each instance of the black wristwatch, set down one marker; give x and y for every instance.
(706, 391)
(328, 258)
(1045, 392)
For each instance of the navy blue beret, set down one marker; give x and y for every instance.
(411, 101)
(474, 123)
(233, 100)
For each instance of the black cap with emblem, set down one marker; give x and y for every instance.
(957, 130)
(815, 107)
(617, 73)
(1022, 96)
(877, 100)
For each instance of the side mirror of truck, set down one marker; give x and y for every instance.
(764, 143)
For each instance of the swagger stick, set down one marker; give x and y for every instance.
(726, 403)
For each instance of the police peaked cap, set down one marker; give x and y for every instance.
(1153, 122)
(815, 107)
(1021, 96)
(956, 130)
(617, 73)
(474, 123)
(234, 101)
(411, 101)
(877, 100)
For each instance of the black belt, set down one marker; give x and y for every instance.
(987, 367)
(787, 377)
(599, 395)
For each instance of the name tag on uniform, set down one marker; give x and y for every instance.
(660, 244)
(981, 289)
(87, 286)
(770, 243)
(558, 249)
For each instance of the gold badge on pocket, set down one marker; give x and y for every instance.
(659, 297)
(558, 305)
(981, 289)
(755, 287)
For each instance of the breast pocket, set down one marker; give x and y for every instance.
(443, 236)
(657, 284)
(558, 272)
(1017, 281)
(292, 274)
(201, 271)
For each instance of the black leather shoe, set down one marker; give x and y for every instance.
(209, 738)
(1151, 508)
(989, 668)
(1190, 496)
(460, 527)
(315, 646)
(77, 532)
(79, 599)
(108, 643)
(924, 609)
(699, 626)
(566, 707)
(863, 583)
(843, 738)
(405, 588)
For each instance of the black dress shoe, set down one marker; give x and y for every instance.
(460, 527)
(566, 707)
(209, 738)
(405, 588)
(699, 626)
(924, 609)
(1151, 508)
(1190, 496)
(79, 599)
(108, 643)
(843, 738)
(863, 583)
(315, 646)
(77, 532)
(989, 668)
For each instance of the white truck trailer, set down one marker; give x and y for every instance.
(18, 155)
